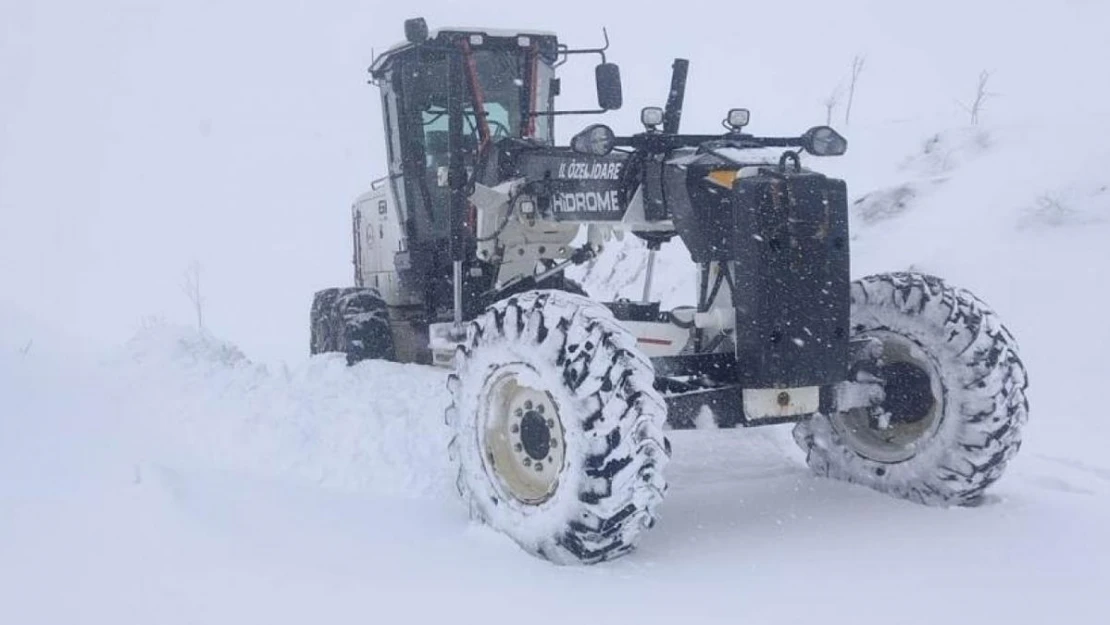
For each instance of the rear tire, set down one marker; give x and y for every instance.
(954, 396)
(354, 321)
(558, 431)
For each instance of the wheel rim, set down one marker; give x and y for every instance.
(912, 411)
(522, 437)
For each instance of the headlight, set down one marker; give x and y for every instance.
(596, 139)
(824, 141)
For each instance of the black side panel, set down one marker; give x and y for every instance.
(574, 187)
(700, 213)
(789, 243)
(720, 366)
(726, 403)
(656, 200)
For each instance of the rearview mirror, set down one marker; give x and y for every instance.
(609, 95)
(824, 141)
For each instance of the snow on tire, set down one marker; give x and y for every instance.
(955, 396)
(558, 430)
(353, 320)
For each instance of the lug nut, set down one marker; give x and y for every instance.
(527, 462)
(518, 448)
(550, 423)
(554, 444)
(539, 467)
(514, 429)
(528, 405)
(519, 413)
(539, 408)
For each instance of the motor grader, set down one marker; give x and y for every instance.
(560, 404)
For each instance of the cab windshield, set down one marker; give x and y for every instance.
(505, 88)
(508, 86)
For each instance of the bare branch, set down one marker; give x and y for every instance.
(857, 68)
(981, 96)
(191, 287)
(830, 103)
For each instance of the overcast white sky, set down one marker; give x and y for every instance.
(137, 136)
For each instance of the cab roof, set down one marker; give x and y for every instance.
(546, 42)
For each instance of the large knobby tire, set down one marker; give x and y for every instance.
(354, 321)
(954, 396)
(558, 430)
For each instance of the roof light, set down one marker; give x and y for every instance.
(738, 118)
(524, 42)
(476, 40)
(651, 116)
(416, 30)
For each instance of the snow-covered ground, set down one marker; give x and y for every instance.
(174, 477)
(178, 483)
(173, 480)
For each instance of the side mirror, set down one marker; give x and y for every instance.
(824, 141)
(596, 140)
(609, 95)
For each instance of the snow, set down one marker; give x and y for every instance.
(320, 423)
(155, 474)
(98, 535)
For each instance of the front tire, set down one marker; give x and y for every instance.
(954, 390)
(558, 430)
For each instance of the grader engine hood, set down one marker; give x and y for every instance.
(782, 236)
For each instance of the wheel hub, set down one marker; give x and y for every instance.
(908, 392)
(535, 434)
(522, 436)
(912, 408)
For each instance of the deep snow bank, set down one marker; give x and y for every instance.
(201, 402)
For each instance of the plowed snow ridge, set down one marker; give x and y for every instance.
(376, 426)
